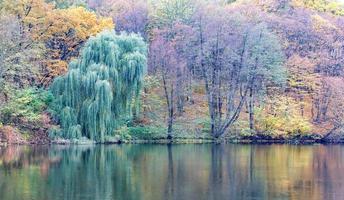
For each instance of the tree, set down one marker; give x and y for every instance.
(133, 19)
(66, 32)
(162, 57)
(168, 12)
(102, 87)
(168, 61)
(62, 31)
(331, 108)
(213, 55)
(236, 59)
(170, 64)
(19, 55)
(168, 33)
(128, 15)
(265, 65)
(313, 56)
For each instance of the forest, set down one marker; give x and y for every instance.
(110, 71)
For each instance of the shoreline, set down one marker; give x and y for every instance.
(189, 141)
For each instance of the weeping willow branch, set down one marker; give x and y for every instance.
(102, 87)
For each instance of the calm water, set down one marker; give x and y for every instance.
(178, 172)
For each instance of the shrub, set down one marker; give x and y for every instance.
(123, 134)
(285, 120)
(203, 124)
(55, 132)
(25, 105)
(146, 132)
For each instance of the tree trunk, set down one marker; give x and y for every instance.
(170, 111)
(170, 117)
(251, 110)
(170, 126)
(189, 89)
(212, 126)
(180, 93)
(317, 110)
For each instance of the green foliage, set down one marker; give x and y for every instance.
(102, 87)
(25, 104)
(146, 132)
(67, 3)
(266, 60)
(55, 132)
(204, 124)
(122, 134)
(151, 101)
(167, 12)
(151, 82)
(243, 129)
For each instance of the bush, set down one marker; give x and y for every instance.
(285, 120)
(146, 132)
(25, 105)
(123, 134)
(204, 124)
(55, 132)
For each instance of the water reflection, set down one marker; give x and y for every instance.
(172, 172)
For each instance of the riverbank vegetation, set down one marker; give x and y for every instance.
(122, 70)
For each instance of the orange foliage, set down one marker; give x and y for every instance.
(62, 30)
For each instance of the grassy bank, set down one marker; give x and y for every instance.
(257, 139)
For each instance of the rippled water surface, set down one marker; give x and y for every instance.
(155, 172)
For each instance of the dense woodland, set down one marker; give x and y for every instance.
(109, 70)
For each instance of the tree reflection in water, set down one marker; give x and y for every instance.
(172, 172)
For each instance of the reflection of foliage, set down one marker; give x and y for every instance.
(159, 172)
(105, 169)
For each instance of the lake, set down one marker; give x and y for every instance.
(158, 172)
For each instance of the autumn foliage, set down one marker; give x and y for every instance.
(221, 68)
(63, 31)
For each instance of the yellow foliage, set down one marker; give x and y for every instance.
(332, 6)
(62, 30)
(282, 116)
(44, 21)
(84, 22)
(322, 25)
(54, 68)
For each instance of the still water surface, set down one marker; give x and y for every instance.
(158, 172)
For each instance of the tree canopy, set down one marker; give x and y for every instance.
(102, 87)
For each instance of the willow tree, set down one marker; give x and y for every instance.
(102, 87)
